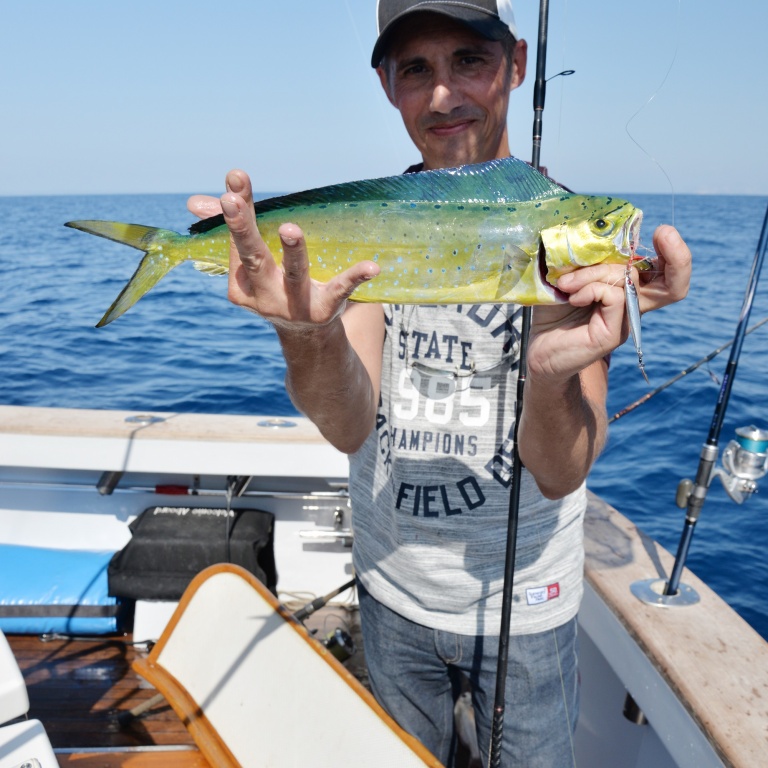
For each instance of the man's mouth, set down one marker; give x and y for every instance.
(449, 129)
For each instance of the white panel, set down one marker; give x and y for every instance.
(21, 742)
(215, 457)
(14, 701)
(273, 700)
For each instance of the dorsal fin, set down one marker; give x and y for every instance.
(507, 180)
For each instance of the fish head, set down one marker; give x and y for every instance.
(591, 230)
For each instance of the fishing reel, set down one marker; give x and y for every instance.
(745, 461)
(340, 644)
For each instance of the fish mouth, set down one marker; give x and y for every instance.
(541, 263)
(628, 237)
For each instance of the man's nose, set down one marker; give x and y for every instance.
(445, 98)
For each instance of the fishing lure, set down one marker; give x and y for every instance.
(633, 317)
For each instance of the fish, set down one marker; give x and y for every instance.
(493, 232)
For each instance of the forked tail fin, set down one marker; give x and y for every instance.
(159, 259)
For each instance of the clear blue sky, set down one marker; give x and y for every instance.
(166, 96)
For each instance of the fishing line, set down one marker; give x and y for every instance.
(356, 31)
(612, 444)
(652, 97)
(382, 104)
(646, 397)
(563, 71)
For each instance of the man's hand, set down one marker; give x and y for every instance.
(666, 285)
(564, 423)
(566, 339)
(284, 294)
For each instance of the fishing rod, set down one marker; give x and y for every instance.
(748, 457)
(502, 662)
(690, 369)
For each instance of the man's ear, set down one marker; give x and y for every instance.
(384, 80)
(519, 61)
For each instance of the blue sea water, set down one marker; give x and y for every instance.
(185, 348)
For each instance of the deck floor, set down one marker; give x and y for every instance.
(82, 690)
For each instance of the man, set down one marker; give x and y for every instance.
(422, 400)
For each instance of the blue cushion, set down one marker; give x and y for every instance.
(56, 590)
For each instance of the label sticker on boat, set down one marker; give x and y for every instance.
(538, 595)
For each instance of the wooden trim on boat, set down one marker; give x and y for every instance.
(724, 684)
(190, 758)
(83, 422)
(205, 735)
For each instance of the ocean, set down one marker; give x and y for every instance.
(185, 348)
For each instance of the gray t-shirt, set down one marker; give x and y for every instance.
(430, 486)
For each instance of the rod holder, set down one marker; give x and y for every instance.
(652, 592)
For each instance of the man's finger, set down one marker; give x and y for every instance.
(677, 260)
(239, 182)
(295, 259)
(248, 251)
(342, 286)
(248, 247)
(204, 206)
(611, 274)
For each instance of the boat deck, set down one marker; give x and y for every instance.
(79, 688)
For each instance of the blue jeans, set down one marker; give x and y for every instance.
(415, 675)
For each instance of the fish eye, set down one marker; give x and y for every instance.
(601, 223)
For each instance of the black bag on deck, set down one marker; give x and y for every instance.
(171, 545)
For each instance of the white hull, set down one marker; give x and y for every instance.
(699, 673)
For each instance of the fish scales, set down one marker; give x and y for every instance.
(427, 252)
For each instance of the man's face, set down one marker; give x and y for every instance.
(452, 88)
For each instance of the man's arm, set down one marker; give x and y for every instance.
(563, 428)
(332, 352)
(334, 373)
(564, 422)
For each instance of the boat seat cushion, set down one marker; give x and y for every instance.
(56, 590)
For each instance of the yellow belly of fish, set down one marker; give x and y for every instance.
(427, 254)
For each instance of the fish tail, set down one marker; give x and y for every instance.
(155, 265)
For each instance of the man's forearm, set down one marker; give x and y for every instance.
(328, 382)
(562, 429)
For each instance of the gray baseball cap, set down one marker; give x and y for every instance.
(493, 19)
